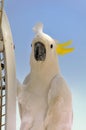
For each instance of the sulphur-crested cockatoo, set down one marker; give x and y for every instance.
(45, 101)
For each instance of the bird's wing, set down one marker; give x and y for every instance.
(18, 85)
(21, 90)
(26, 80)
(59, 114)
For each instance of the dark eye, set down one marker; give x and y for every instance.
(31, 45)
(51, 46)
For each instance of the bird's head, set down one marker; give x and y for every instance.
(43, 46)
(45, 49)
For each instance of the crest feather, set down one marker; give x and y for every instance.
(38, 28)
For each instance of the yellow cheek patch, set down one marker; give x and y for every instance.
(62, 50)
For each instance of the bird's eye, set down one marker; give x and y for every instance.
(31, 45)
(51, 46)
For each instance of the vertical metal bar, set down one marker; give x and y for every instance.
(2, 96)
(2, 91)
(10, 75)
(1, 10)
(5, 89)
(1, 56)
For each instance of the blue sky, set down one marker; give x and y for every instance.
(63, 20)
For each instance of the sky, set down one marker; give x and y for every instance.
(63, 20)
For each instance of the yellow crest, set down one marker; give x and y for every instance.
(62, 50)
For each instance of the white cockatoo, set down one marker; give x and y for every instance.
(45, 101)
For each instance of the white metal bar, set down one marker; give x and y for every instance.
(10, 75)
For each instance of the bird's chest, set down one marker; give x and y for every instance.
(35, 105)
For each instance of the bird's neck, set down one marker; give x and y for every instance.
(45, 71)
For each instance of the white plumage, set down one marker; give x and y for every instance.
(45, 101)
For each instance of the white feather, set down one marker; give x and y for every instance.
(45, 101)
(38, 28)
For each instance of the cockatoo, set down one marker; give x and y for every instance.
(45, 101)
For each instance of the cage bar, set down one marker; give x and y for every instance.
(7, 75)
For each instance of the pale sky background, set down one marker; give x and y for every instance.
(63, 20)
